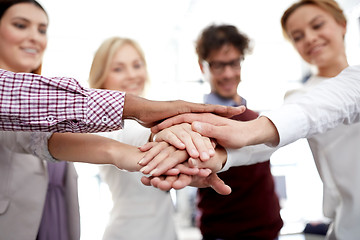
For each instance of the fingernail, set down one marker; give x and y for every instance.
(141, 161)
(194, 153)
(204, 156)
(153, 171)
(143, 169)
(192, 162)
(211, 152)
(197, 126)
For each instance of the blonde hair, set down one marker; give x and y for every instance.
(329, 6)
(103, 57)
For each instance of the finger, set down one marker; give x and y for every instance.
(202, 145)
(147, 146)
(170, 161)
(170, 138)
(182, 181)
(208, 130)
(172, 172)
(187, 170)
(229, 111)
(162, 156)
(226, 111)
(154, 181)
(210, 145)
(187, 138)
(182, 118)
(218, 185)
(146, 180)
(152, 153)
(213, 164)
(204, 172)
(167, 183)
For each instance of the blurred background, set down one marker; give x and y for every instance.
(167, 30)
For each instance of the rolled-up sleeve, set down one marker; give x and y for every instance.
(31, 102)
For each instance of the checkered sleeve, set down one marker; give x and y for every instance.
(30, 102)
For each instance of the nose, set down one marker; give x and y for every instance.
(131, 72)
(310, 36)
(35, 36)
(229, 71)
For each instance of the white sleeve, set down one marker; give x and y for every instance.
(132, 133)
(327, 105)
(247, 155)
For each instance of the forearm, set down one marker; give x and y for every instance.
(90, 148)
(261, 130)
(332, 102)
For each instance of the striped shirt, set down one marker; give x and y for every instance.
(30, 102)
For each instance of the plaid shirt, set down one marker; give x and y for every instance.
(29, 102)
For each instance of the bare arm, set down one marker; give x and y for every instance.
(90, 148)
(228, 133)
(148, 112)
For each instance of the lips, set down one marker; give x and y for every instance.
(30, 50)
(228, 85)
(315, 49)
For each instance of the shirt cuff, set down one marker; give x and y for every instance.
(39, 146)
(290, 122)
(105, 110)
(248, 155)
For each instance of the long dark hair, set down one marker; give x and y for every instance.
(5, 4)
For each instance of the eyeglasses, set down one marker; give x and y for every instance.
(218, 67)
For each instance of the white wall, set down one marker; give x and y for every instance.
(167, 30)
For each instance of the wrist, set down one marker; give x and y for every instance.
(267, 132)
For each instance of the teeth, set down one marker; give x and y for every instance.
(315, 49)
(30, 50)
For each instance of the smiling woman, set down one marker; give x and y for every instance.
(23, 36)
(48, 204)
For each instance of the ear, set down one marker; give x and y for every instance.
(201, 66)
(343, 25)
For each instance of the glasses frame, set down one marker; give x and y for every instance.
(222, 67)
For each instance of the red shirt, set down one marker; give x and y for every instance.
(251, 211)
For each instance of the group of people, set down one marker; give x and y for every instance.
(188, 148)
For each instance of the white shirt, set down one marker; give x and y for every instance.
(337, 159)
(326, 106)
(138, 211)
(322, 116)
(333, 102)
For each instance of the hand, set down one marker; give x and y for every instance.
(202, 179)
(228, 133)
(182, 136)
(160, 157)
(165, 183)
(148, 112)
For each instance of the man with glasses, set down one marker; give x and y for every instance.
(252, 210)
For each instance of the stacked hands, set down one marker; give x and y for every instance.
(184, 152)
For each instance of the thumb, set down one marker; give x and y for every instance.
(218, 185)
(206, 129)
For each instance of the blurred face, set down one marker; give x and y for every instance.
(222, 69)
(316, 35)
(127, 71)
(22, 37)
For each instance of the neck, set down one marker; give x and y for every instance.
(13, 69)
(333, 69)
